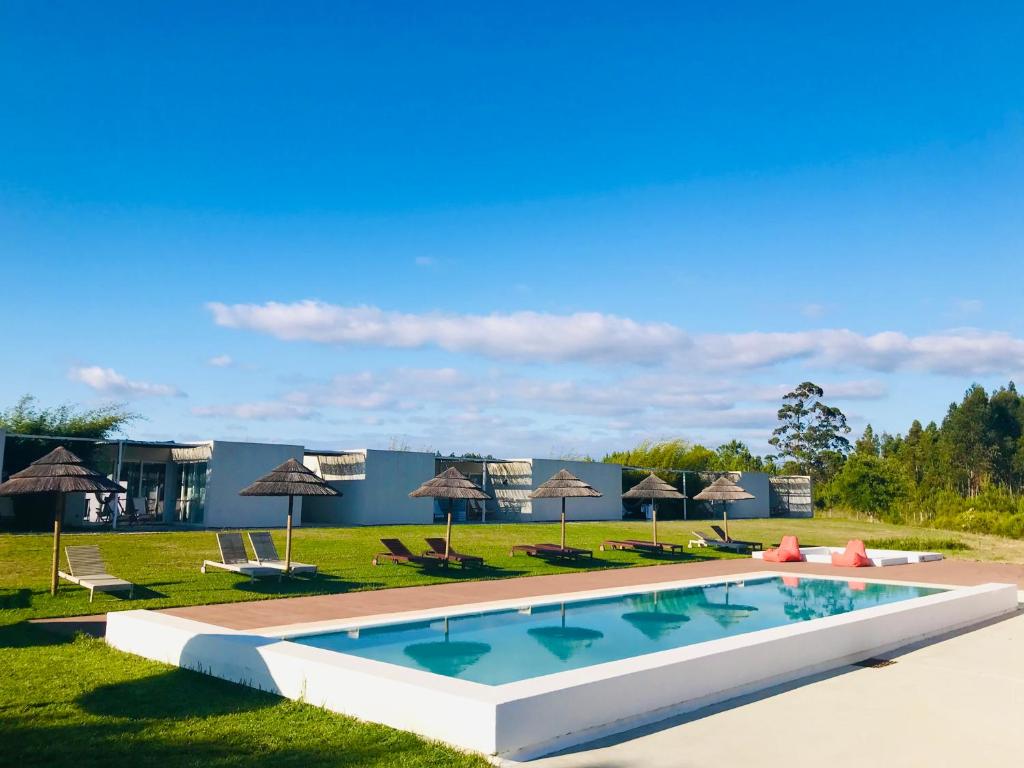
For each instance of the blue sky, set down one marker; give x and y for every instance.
(526, 229)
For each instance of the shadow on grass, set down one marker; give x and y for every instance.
(293, 586)
(458, 573)
(13, 599)
(177, 693)
(24, 635)
(217, 744)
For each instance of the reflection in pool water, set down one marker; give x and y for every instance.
(503, 646)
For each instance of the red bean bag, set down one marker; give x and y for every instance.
(788, 551)
(791, 581)
(857, 586)
(854, 557)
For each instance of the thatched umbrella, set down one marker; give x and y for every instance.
(291, 479)
(60, 472)
(565, 642)
(723, 490)
(562, 485)
(653, 487)
(450, 484)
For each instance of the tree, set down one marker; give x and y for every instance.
(868, 443)
(735, 456)
(868, 484)
(811, 433)
(967, 440)
(27, 418)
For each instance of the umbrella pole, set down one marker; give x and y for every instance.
(58, 519)
(654, 520)
(288, 539)
(448, 531)
(725, 519)
(563, 522)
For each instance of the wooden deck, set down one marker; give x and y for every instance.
(255, 615)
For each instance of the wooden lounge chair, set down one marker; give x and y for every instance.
(233, 558)
(86, 569)
(552, 551)
(751, 545)
(266, 554)
(437, 551)
(701, 539)
(399, 553)
(643, 546)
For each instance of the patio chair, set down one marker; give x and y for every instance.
(397, 552)
(552, 551)
(234, 558)
(644, 546)
(87, 569)
(752, 545)
(701, 539)
(266, 554)
(437, 551)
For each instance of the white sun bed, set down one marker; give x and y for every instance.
(234, 558)
(86, 569)
(266, 554)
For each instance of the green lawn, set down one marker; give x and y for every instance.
(79, 703)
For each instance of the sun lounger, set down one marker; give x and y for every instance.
(701, 539)
(234, 558)
(552, 551)
(86, 569)
(751, 545)
(437, 551)
(266, 554)
(399, 553)
(644, 546)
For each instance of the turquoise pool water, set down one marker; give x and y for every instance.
(504, 646)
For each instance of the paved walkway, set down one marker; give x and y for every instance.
(958, 702)
(299, 610)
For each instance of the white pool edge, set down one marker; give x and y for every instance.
(529, 718)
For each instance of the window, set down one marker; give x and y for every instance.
(192, 494)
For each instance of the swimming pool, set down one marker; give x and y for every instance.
(525, 677)
(504, 646)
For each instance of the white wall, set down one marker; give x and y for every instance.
(383, 497)
(759, 506)
(606, 478)
(233, 466)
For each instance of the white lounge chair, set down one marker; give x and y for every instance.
(266, 554)
(86, 569)
(234, 558)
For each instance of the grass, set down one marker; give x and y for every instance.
(79, 703)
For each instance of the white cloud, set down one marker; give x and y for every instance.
(593, 337)
(221, 361)
(424, 261)
(262, 411)
(109, 382)
(522, 336)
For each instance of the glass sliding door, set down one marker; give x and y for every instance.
(192, 492)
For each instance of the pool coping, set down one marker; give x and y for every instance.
(531, 717)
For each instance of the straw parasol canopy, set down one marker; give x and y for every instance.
(61, 472)
(564, 485)
(723, 490)
(450, 484)
(653, 487)
(290, 479)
